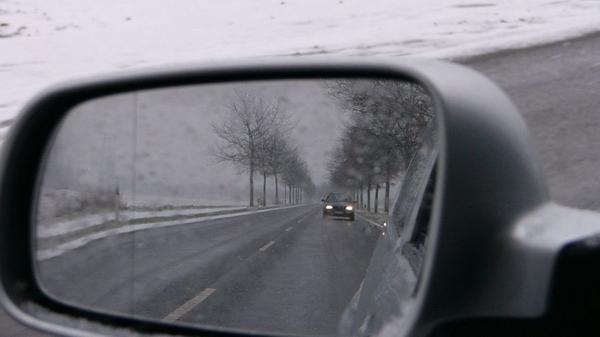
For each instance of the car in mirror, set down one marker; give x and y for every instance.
(186, 202)
(341, 204)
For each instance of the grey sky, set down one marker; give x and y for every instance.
(95, 147)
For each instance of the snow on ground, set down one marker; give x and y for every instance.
(60, 227)
(45, 41)
(48, 253)
(155, 201)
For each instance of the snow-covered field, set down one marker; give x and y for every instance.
(45, 41)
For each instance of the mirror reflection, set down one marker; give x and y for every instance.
(250, 205)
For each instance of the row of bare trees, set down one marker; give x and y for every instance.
(254, 138)
(385, 128)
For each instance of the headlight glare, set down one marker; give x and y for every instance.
(328, 207)
(349, 208)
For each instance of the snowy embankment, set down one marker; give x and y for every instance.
(80, 223)
(57, 238)
(42, 42)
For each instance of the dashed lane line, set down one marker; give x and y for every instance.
(189, 305)
(302, 219)
(265, 247)
(289, 229)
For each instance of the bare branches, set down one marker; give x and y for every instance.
(388, 120)
(250, 121)
(253, 139)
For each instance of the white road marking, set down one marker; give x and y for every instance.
(371, 222)
(289, 229)
(265, 247)
(189, 305)
(304, 217)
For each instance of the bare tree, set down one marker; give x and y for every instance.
(277, 149)
(296, 176)
(272, 152)
(390, 117)
(289, 171)
(244, 134)
(356, 161)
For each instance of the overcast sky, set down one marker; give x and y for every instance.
(95, 147)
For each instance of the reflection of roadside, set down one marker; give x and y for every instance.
(56, 205)
(378, 218)
(66, 239)
(73, 223)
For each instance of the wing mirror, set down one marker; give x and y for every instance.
(185, 202)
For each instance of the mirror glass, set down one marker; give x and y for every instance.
(249, 205)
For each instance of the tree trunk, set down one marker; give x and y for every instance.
(361, 197)
(117, 205)
(251, 185)
(376, 197)
(386, 201)
(369, 196)
(264, 189)
(276, 191)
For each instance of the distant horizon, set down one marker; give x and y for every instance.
(95, 148)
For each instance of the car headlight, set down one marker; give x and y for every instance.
(348, 208)
(328, 207)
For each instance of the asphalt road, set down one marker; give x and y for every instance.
(288, 270)
(556, 89)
